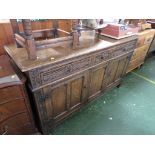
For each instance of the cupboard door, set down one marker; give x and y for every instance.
(55, 101)
(96, 80)
(111, 71)
(76, 88)
(116, 69)
(59, 100)
(122, 65)
(67, 95)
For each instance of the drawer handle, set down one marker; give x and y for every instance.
(5, 130)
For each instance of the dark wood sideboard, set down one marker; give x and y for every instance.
(15, 112)
(63, 80)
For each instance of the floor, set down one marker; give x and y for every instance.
(127, 110)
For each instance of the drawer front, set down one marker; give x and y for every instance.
(15, 125)
(139, 52)
(12, 108)
(145, 37)
(113, 53)
(10, 93)
(49, 74)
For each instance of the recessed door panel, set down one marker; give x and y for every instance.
(96, 79)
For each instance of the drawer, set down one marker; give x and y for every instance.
(145, 37)
(114, 53)
(10, 93)
(48, 74)
(139, 52)
(135, 63)
(15, 125)
(12, 108)
(51, 74)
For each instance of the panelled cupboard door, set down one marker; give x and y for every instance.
(115, 70)
(96, 79)
(66, 96)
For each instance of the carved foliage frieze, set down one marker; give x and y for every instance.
(59, 72)
(114, 52)
(50, 73)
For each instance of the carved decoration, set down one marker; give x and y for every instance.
(48, 74)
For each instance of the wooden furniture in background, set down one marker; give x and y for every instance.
(152, 22)
(6, 34)
(15, 112)
(63, 80)
(141, 23)
(29, 38)
(152, 46)
(144, 41)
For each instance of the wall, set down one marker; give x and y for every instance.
(6, 35)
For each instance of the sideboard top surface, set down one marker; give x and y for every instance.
(57, 54)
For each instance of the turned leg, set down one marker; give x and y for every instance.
(30, 42)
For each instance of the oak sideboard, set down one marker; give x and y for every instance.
(63, 80)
